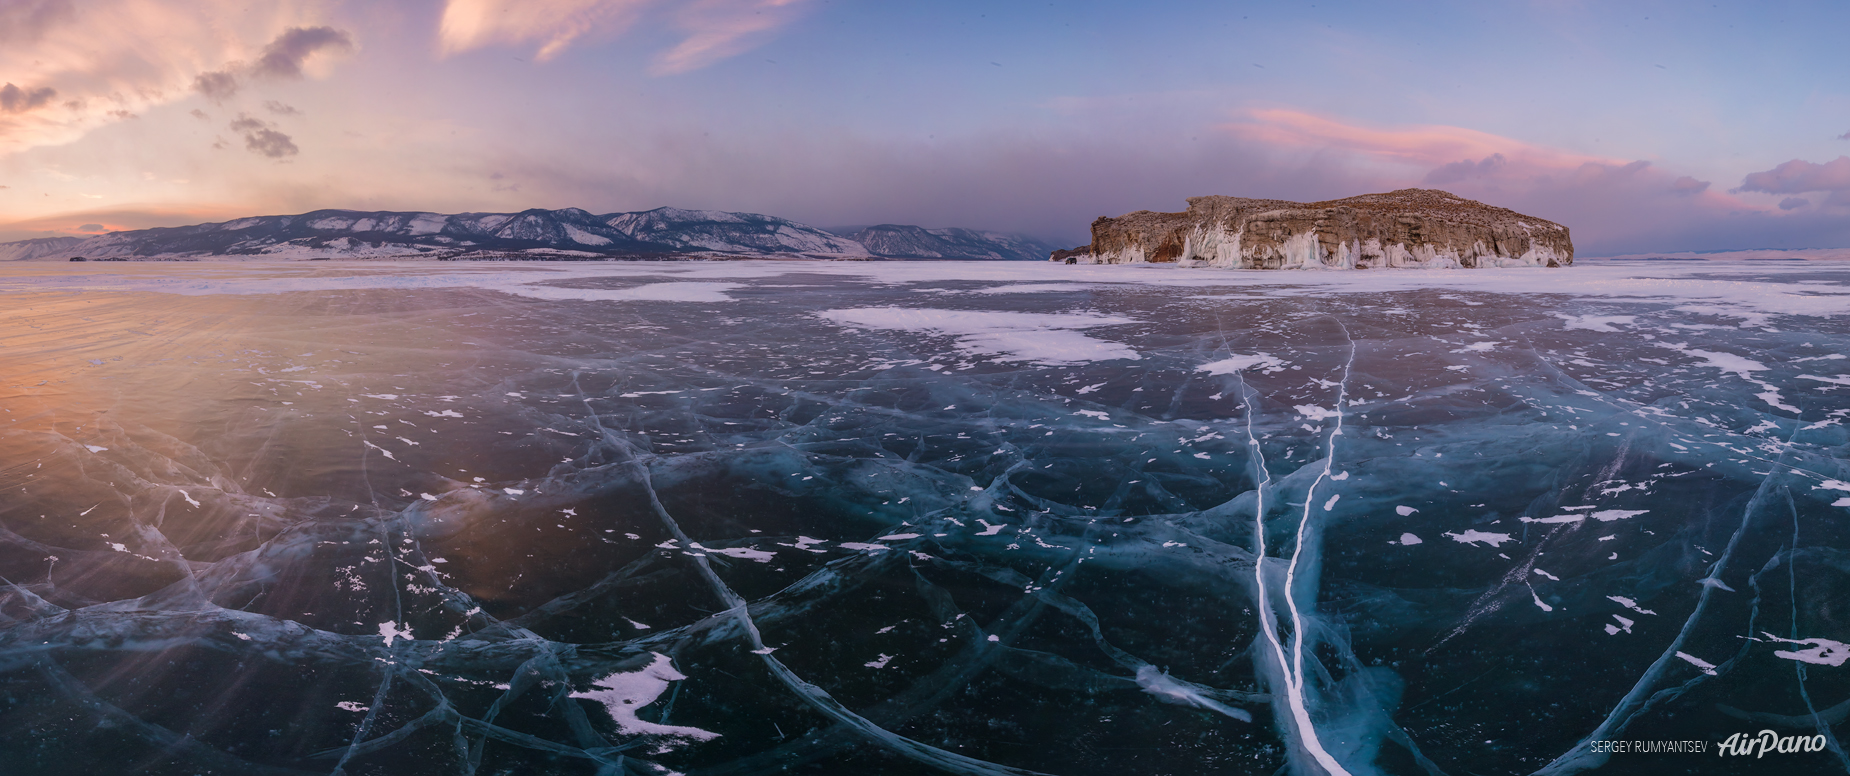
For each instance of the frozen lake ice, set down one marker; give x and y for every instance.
(927, 517)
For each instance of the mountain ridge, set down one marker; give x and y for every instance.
(567, 233)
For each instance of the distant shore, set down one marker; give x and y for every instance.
(1761, 254)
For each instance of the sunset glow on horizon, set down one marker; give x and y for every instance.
(1658, 127)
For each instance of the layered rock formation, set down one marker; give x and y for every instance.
(1406, 228)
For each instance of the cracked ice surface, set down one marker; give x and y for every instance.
(737, 518)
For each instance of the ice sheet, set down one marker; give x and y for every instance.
(863, 516)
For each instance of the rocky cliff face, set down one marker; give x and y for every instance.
(1406, 228)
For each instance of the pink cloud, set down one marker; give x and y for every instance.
(69, 74)
(1612, 205)
(714, 29)
(1798, 176)
(1429, 145)
(718, 29)
(553, 24)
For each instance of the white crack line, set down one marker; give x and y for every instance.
(1293, 670)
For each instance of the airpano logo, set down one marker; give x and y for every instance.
(1767, 741)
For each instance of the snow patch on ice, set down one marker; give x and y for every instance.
(391, 631)
(1472, 536)
(1240, 363)
(1595, 322)
(1629, 604)
(1823, 652)
(1042, 338)
(625, 694)
(1538, 600)
(1700, 664)
(745, 553)
(1727, 362)
(1314, 412)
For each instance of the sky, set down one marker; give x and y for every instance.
(1642, 126)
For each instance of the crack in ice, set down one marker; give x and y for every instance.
(1293, 669)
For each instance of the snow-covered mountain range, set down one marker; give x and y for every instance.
(564, 234)
(917, 242)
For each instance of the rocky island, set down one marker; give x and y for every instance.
(1406, 228)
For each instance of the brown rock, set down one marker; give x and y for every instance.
(1405, 228)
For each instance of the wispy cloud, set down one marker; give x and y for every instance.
(553, 24)
(718, 29)
(1432, 146)
(712, 30)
